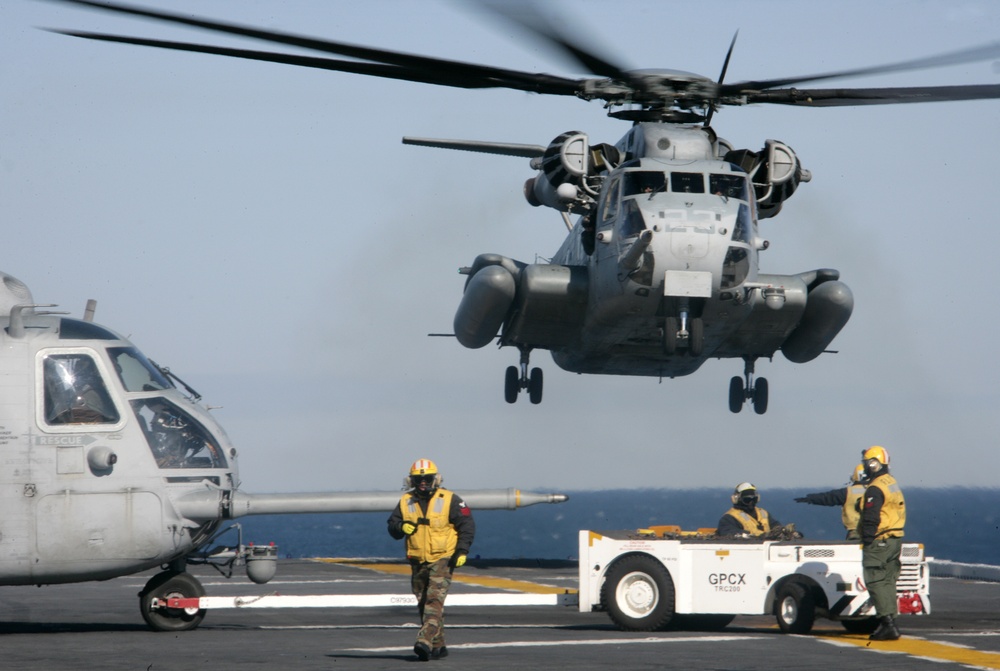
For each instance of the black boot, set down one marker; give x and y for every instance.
(886, 631)
(423, 651)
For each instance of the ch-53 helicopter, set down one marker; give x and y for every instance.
(112, 466)
(660, 271)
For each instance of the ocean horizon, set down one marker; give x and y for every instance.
(957, 524)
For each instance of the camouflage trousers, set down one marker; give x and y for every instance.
(430, 582)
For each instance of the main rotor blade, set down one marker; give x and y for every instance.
(875, 96)
(526, 16)
(536, 84)
(414, 67)
(722, 76)
(981, 53)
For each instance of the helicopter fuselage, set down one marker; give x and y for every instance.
(661, 271)
(98, 448)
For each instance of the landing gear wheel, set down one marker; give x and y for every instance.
(696, 336)
(167, 585)
(760, 396)
(670, 328)
(638, 594)
(535, 386)
(795, 609)
(865, 626)
(512, 384)
(737, 394)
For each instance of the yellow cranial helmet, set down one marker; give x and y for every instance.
(859, 474)
(423, 467)
(424, 476)
(876, 452)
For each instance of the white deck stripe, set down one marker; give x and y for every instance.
(381, 600)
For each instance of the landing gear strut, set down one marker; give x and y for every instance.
(518, 379)
(686, 329)
(741, 391)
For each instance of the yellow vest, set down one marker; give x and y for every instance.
(435, 537)
(750, 525)
(893, 515)
(852, 510)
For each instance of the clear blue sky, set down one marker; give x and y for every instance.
(261, 230)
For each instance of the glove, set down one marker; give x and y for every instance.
(408, 528)
(802, 499)
(459, 560)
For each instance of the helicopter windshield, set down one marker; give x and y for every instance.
(75, 392)
(135, 370)
(729, 186)
(643, 181)
(687, 182)
(175, 438)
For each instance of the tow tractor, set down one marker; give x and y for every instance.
(662, 577)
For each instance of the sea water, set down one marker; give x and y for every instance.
(961, 525)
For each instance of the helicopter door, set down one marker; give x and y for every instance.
(93, 512)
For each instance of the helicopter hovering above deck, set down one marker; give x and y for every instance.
(661, 270)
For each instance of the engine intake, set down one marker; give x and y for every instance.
(775, 172)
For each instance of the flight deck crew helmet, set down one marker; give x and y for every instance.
(424, 471)
(858, 475)
(746, 494)
(875, 453)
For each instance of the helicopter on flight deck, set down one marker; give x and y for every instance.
(660, 271)
(112, 466)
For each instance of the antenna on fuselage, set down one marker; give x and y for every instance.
(88, 312)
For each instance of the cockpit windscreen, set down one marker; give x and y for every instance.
(176, 439)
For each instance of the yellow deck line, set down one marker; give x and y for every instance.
(482, 581)
(919, 647)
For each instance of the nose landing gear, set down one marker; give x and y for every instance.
(685, 329)
(740, 392)
(518, 379)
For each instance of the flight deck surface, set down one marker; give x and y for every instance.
(98, 626)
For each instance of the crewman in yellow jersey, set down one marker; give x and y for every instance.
(745, 518)
(439, 530)
(883, 516)
(845, 497)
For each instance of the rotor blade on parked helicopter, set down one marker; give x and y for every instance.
(983, 52)
(874, 96)
(413, 67)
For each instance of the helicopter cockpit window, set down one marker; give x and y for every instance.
(175, 438)
(609, 201)
(632, 223)
(135, 370)
(687, 182)
(729, 186)
(643, 181)
(75, 392)
(743, 230)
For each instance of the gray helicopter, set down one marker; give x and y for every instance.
(660, 270)
(112, 466)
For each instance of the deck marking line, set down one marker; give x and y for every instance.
(543, 644)
(920, 648)
(484, 581)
